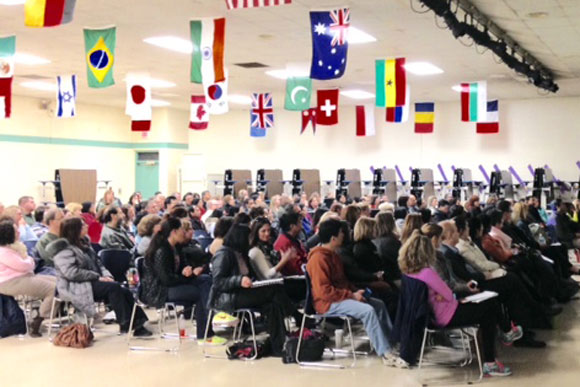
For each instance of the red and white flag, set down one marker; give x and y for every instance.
(139, 102)
(365, 120)
(234, 4)
(7, 50)
(309, 117)
(491, 122)
(327, 108)
(199, 115)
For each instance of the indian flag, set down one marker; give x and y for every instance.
(207, 61)
(474, 102)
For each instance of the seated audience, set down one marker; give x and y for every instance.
(291, 225)
(442, 212)
(73, 209)
(388, 245)
(415, 260)
(568, 232)
(147, 228)
(194, 213)
(114, 235)
(108, 199)
(413, 222)
(221, 229)
(27, 206)
(332, 293)
(53, 218)
(17, 276)
(82, 279)
(95, 227)
(39, 228)
(264, 259)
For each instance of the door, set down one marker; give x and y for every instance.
(147, 173)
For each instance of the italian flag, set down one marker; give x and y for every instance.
(207, 61)
(474, 102)
(7, 50)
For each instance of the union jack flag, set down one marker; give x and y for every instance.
(262, 113)
(339, 27)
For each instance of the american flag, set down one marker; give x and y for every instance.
(234, 4)
(339, 27)
(262, 113)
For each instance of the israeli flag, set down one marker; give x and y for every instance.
(66, 96)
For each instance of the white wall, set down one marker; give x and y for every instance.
(533, 131)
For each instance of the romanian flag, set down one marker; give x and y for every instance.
(424, 117)
(207, 61)
(100, 56)
(48, 13)
(474, 101)
(391, 82)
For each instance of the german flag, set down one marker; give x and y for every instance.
(48, 13)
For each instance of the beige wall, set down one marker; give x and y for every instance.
(535, 131)
(25, 163)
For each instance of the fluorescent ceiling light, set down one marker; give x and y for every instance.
(456, 88)
(422, 68)
(12, 2)
(172, 43)
(356, 36)
(357, 94)
(240, 99)
(159, 103)
(29, 59)
(285, 74)
(161, 84)
(39, 85)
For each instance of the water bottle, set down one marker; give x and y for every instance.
(181, 325)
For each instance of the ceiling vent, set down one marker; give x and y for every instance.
(252, 65)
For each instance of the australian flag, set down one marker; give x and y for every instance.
(329, 43)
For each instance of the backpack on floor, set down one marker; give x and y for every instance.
(12, 321)
(311, 347)
(245, 349)
(74, 336)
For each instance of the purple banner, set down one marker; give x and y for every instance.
(442, 173)
(484, 173)
(513, 172)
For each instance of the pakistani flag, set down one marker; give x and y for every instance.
(298, 93)
(100, 51)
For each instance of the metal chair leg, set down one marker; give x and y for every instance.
(51, 319)
(425, 335)
(204, 345)
(311, 364)
(478, 353)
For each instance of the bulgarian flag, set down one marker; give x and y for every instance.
(391, 82)
(207, 61)
(48, 13)
(474, 102)
(7, 50)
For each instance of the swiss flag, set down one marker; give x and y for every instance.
(139, 102)
(327, 108)
(199, 115)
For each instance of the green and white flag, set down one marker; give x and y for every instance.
(298, 94)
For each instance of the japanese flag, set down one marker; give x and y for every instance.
(199, 116)
(139, 101)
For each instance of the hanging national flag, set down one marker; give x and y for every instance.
(199, 115)
(100, 50)
(7, 50)
(400, 113)
(298, 94)
(391, 82)
(329, 43)
(257, 132)
(48, 13)
(424, 117)
(262, 112)
(207, 60)
(216, 97)
(139, 102)
(66, 95)
(491, 123)
(365, 120)
(327, 108)
(309, 117)
(473, 101)
(234, 4)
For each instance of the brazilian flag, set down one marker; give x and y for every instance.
(100, 50)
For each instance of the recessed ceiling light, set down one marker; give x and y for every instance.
(29, 59)
(538, 15)
(285, 73)
(159, 103)
(357, 94)
(172, 43)
(422, 68)
(356, 36)
(240, 99)
(39, 85)
(12, 2)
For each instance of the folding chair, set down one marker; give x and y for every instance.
(117, 262)
(237, 334)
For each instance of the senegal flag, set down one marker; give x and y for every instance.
(100, 55)
(48, 13)
(391, 82)
(207, 61)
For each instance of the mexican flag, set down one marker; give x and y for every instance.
(207, 60)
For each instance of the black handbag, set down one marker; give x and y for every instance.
(311, 347)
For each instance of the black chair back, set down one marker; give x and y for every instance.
(204, 242)
(117, 262)
(96, 247)
(308, 301)
(200, 234)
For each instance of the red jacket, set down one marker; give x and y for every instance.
(293, 267)
(95, 228)
(329, 283)
(495, 248)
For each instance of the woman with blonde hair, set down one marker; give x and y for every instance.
(412, 222)
(147, 228)
(73, 209)
(416, 258)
